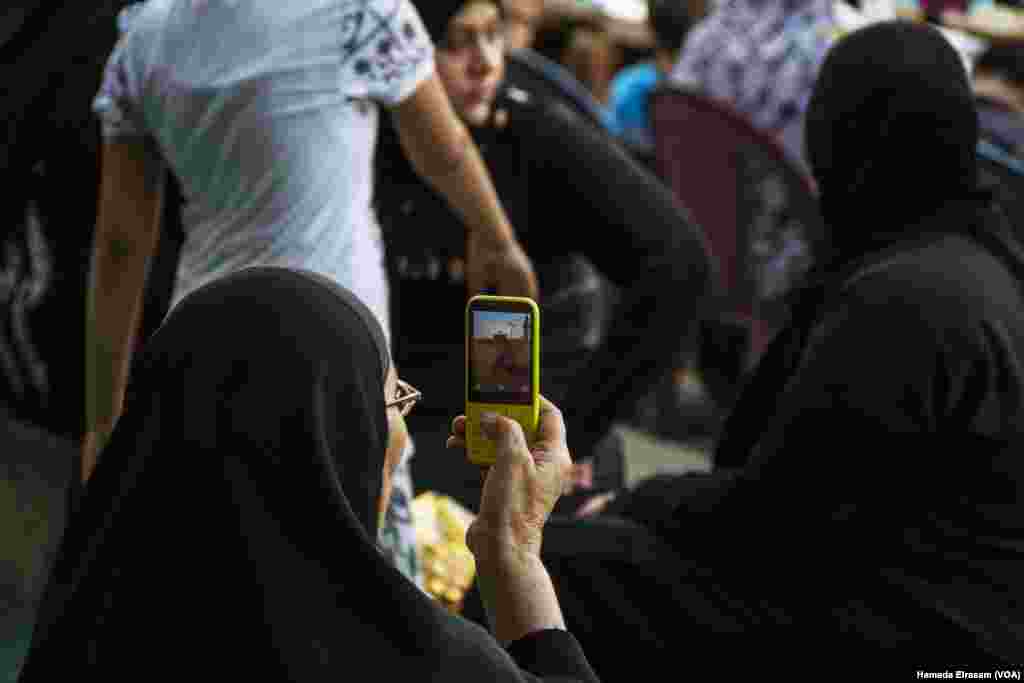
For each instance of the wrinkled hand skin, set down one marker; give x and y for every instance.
(522, 486)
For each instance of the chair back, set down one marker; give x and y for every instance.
(758, 209)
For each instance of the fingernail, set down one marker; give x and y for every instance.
(488, 421)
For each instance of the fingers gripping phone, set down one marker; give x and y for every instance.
(502, 368)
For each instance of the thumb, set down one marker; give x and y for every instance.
(505, 433)
(551, 426)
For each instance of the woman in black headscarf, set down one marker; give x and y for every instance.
(865, 507)
(227, 532)
(587, 215)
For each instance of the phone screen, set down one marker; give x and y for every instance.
(500, 355)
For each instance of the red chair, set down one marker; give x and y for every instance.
(758, 209)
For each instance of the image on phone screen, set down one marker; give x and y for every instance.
(500, 356)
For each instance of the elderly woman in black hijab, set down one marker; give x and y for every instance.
(227, 532)
(865, 507)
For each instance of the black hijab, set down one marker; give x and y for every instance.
(228, 530)
(891, 134)
(437, 13)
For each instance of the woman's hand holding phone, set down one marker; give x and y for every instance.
(522, 486)
(520, 490)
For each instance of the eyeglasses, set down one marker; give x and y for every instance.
(408, 396)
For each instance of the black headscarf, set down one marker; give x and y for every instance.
(891, 134)
(228, 530)
(437, 13)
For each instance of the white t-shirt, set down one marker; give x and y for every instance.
(266, 111)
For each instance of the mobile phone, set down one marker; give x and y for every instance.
(502, 368)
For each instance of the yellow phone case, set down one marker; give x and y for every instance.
(479, 449)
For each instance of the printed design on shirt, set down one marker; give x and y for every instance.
(114, 106)
(381, 46)
(761, 57)
(26, 273)
(126, 17)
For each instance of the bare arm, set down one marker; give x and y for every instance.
(442, 152)
(518, 594)
(127, 228)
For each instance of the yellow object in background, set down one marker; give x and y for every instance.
(448, 565)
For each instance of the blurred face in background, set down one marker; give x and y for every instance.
(521, 19)
(594, 59)
(995, 86)
(471, 60)
(665, 60)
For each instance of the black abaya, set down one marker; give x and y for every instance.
(226, 533)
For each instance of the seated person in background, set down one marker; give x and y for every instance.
(762, 59)
(586, 210)
(521, 20)
(631, 88)
(593, 58)
(873, 517)
(999, 95)
(248, 525)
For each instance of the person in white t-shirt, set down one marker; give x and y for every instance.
(266, 112)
